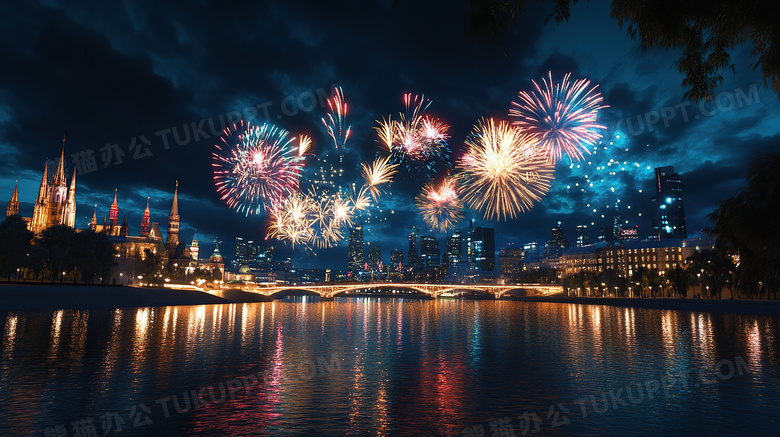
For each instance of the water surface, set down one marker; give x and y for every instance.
(370, 366)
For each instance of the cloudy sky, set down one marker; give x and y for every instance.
(154, 85)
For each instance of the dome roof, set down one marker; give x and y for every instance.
(216, 257)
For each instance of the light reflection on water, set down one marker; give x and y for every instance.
(405, 367)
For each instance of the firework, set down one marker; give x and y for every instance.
(313, 219)
(379, 173)
(502, 172)
(304, 144)
(386, 132)
(440, 205)
(255, 167)
(292, 220)
(415, 141)
(335, 120)
(561, 117)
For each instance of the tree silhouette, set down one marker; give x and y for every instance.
(58, 244)
(716, 270)
(93, 254)
(703, 31)
(15, 242)
(679, 279)
(746, 226)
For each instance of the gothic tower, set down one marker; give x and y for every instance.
(58, 193)
(41, 208)
(172, 239)
(145, 221)
(113, 213)
(93, 222)
(13, 205)
(194, 249)
(56, 202)
(69, 218)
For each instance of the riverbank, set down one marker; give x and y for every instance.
(49, 297)
(735, 306)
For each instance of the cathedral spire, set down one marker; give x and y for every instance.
(59, 175)
(175, 206)
(145, 221)
(41, 207)
(44, 188)
(93, 222)
(70, 205)
(13, 205)
(113, 213)
(172, 238)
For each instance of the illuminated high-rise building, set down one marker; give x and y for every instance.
(396, 258)
(470, 250)
(374, 257)
(557, 237)
(454, 244)
(668, 211)
(483, 247)
(510, 260)
(415, 261)
(429, 249)
(582, 235)
(355, 250)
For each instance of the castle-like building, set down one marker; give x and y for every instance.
(56, 202)
(56, 205)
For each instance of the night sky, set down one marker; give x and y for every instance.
(133, 74)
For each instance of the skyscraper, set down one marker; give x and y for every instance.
(429, 248)
(396, 258)
(582, 235)
(355, 251)
(557, 237)
(414, 255)
(374, 257)
(483, 246)
(453, 248)
(668, 211)
(510, 260)
(470, 254)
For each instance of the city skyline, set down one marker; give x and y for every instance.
(142, 141)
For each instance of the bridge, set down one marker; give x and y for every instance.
(434, 290)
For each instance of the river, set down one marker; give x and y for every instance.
(372, 366)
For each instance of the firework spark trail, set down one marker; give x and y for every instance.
(336, 118)
(292, 220)
(386, 132)
(440, 205)
(561, 117)
(316, 220)
(415, 141)
(381, 172)
(304, 144)
(255, 167)
(502, 172)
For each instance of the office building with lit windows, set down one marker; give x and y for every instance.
(668, 211)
